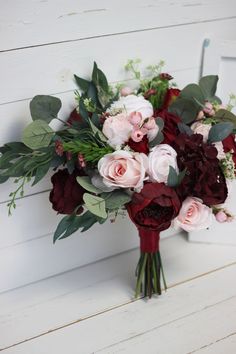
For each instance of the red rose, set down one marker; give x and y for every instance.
(229, 144)
(66, 194)
(170, 130)
(141, 146)
(74, 117)
(204, 178)
(170, 97)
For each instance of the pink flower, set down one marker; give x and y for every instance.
(135, 118)
(159, 161)
(200, 115)
(221, 216)
(117, 129)
(125, 91)
(201, 128)
(152, 128)
(208, 109)
(194, 215)
(123, 169)
(137, 135)
(133, 103)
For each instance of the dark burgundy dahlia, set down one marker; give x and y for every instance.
(204, 178)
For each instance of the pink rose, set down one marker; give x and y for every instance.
(201, 128)
(135, 118)
(159, 161)
(123, 169)
(194, 215)
(117, 129)
(137, 135)
(133, 103)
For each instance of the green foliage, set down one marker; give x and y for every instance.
(185, 108)
(220, 131)
(208, 85)
(96, 205)
(160, 137)
(44, 108)
(82, 83)
(99, 79)
(116, 199)
(85, 182)
(222, 115)
(184, 128)
(37, 135)
(175, 179)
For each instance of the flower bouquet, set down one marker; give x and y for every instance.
(163, 155)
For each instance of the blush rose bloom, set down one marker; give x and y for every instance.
(117, 129)
(200, 128)
(123, 169)
(132, 103)
(152, 128)
(194, 215)
(159, 161)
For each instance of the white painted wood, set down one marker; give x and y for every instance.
(220, 58)
(58, 62)
(81, 293)
(224, 345)
(189, 316)
(38, 22)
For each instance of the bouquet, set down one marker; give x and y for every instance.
(165, 156)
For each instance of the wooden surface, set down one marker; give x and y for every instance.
(92, 310)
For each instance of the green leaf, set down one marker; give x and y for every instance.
(41, 171)
(92, 93)
(116, 199)
(17, 169)
(6, 158)
(37, 135)
(186, 109)
(225, 116)
(184, 128)
(172, 180)
(82, 109)
(208, 85)
(157, 140)
(66, 227)
(192, 91)
(18, 147)
(85, 182)
(160, 123)
(95, 205)
(44, 107)
(88, 220)
(220, 131)
(97, 131)
(82, 83)
(3, 179)
(99, 78)
(181, 175)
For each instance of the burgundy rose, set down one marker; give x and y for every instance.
(66, 194)
(229, 144)
(204, 178)
(170, 130)
(170, 97)
(141, 146)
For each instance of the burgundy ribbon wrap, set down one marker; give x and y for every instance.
(149, 240)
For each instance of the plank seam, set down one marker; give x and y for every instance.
(210, 344)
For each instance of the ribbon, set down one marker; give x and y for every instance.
(149, 240)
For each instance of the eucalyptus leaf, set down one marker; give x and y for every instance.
(41, 171)
(160, 123)
(172, 180)
(220, 131)
(208, 86)
(184, 128)
(225, 116)
(116, 199)
(44, 107)
(95, 205)
(37, 135)
(193, 91)
(157, 140)
(186, 109)
(85, 182)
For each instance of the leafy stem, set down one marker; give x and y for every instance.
(18, 192)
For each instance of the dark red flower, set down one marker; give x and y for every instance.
(229, 144)
(204, 178)
(66, 194)
(170, 130)
(165, 76)
(74, 117)
(154, 207)
(170, 97)
(142, 146)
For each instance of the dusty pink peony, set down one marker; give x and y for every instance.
(117, 129)
(194, 215)
(123, 169)
(135, 118)
(159, 161)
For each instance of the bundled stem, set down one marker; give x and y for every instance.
(149, 273)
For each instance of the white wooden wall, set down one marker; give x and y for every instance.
(42, 43)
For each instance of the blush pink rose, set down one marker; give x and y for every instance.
(194, 215)
(117, 129)
(159, 161)
(152, 128)
(135, 118)
(137, 135)
(123, 169)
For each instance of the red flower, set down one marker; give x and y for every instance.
(142, 146)
(204, 178)
(74, 117)
(170, 97)
(66, 194)
(170, 130)
(230, 145)
(154, 207)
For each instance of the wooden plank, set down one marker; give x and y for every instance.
(58, 62)
(224, 345)
(186, 314)
(26, 23)
(56, 302)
